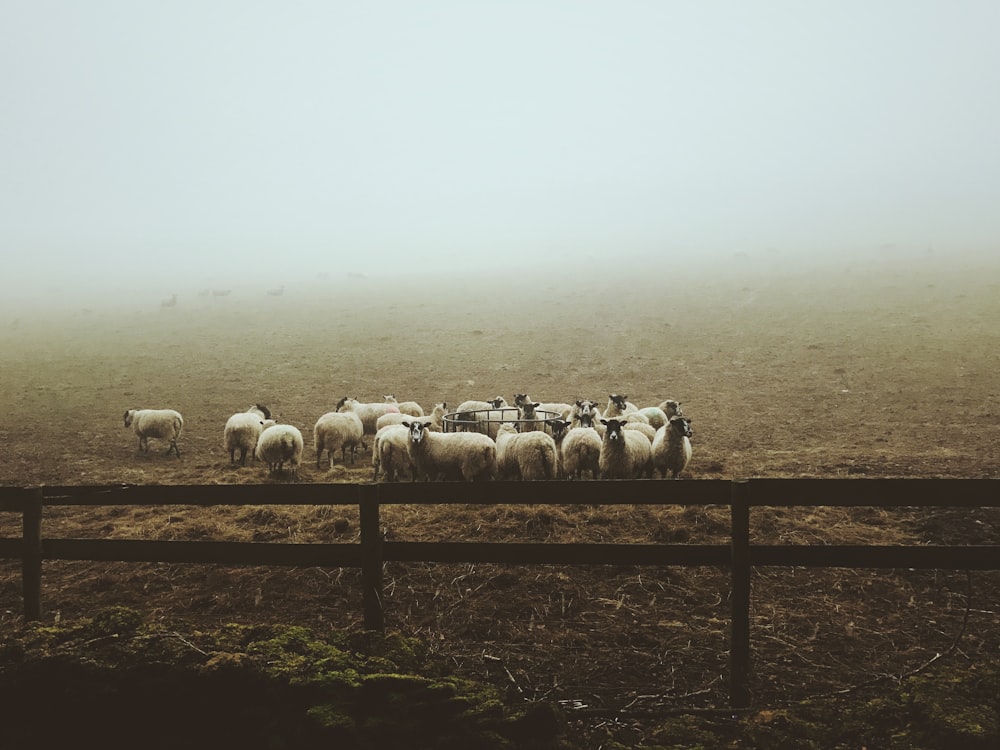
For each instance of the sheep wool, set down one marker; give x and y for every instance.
(280, 444)
(625, 454)
(390, 454)
(242, 431)
(163, 424)
(672, 447)
(581, 452)
(469, 455)
(525, 455)
(335, 431)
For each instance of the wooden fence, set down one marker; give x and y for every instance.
(369, 554)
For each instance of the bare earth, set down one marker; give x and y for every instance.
(880, 371)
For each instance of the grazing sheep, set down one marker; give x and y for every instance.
(165, 424)
(171, 301)
(525, 455)
(334, 430)
(625, 454)
(618, 404)
(242, 431)
(367, 412)
(407, 407)
(470, 455)
(278, 444)
(672, 447)
(435, 419)
(390, 453)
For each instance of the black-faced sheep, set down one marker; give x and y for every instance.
(625, 454)
(618, 404)
(528, 455)
(436, 455)
(164, 424)
(672, 447)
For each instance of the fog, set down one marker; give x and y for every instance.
(174, 148)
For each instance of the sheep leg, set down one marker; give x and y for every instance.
(173, 447)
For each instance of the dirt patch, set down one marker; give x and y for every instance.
(852, 374)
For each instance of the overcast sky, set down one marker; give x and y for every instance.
(286, 139)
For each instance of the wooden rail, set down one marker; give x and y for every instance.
(740, 554)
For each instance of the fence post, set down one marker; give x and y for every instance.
(31, 555)
(739, 647)
(371, 557)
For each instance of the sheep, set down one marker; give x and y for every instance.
(585, 413)
(672, 446)
(441, 454)
(654, 415)
(390, 453)
(276, 291)
(242, 431)
(280, 443)
(625, 454)
(525, 455)
(466, 415)
(335, 430)
(407, 407)
(367, 412)
(170, 301)
(618, 404)
(579, 449)
(642, 427)
(165, 424)
(435, 419)
(561, 410)
(671, 408)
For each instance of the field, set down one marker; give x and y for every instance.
(878, 370)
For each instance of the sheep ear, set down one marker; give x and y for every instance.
(604, 421)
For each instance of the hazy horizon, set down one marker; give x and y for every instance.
(181, 146)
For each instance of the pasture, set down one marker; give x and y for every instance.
(881, 370)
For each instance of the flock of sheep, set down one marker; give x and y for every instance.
(479, 440)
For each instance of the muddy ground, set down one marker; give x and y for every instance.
(886, 369)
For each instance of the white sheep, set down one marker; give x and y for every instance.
(242, 431)
(406, 407)
(471, 455)
(654, 415)
(585, 413)
(579, 449)
(368, 412)
(165, 424)
(625, 454)
(643, 427)
(528, 455)
(435, 419)
(672, 408)
(559, 409)
(618, 404)
(337, 430)
(390, 453)
(466, 415)
(278, 444)
(672, 446)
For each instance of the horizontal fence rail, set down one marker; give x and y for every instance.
(372, 551)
